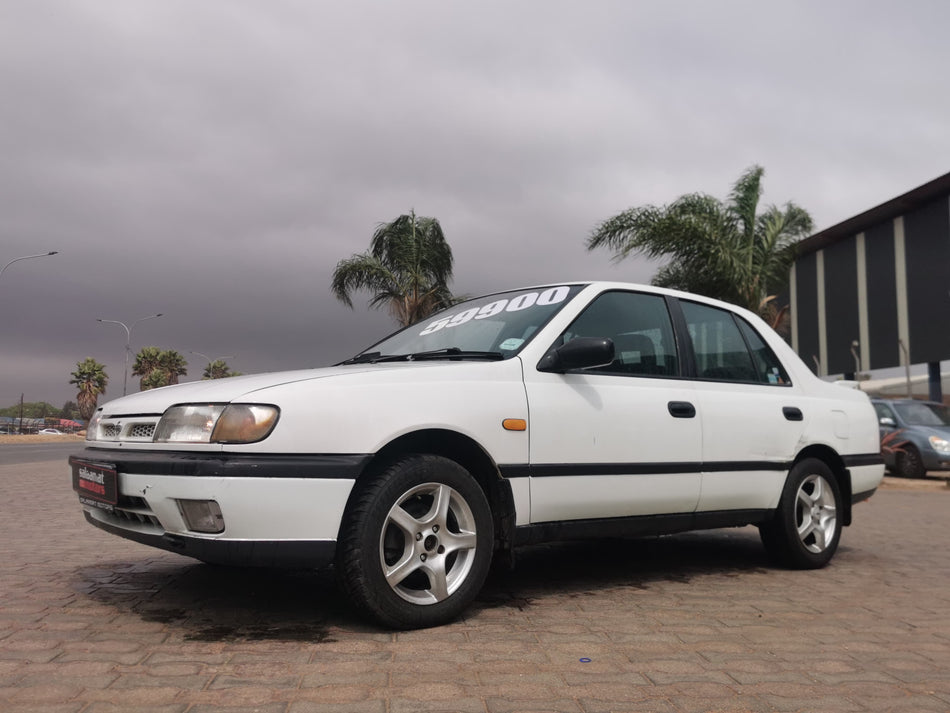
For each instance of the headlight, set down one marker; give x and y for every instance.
(245, 423)
(216, 423)
(92, 428)
(941, 445)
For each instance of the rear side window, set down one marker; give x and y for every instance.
(728, 349)
(768, 368)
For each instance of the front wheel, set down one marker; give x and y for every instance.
(416, 543)
(909, 463)
(806, 528)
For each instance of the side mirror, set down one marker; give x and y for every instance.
(580, 353)
(888, 422)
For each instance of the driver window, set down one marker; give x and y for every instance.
(884, 411)
(641, 330)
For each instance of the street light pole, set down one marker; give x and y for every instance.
(128, 343)
(210, 360)
(27, 257)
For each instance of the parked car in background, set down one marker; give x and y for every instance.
(573, 410)
(50, 432)
(915, 436)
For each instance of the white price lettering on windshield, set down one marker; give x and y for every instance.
(551, 296)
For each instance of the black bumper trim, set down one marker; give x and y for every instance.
(295, 554)
(865, 459)
(228, 465)
(860, 497)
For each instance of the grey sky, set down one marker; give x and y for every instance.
(214, 160)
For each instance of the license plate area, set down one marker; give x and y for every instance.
(96, 484)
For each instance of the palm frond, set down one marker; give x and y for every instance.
(723, 250)
(408, 268)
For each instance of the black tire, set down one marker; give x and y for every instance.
(909, 464)
(806, 528)
(436, 558)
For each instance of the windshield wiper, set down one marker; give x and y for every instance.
(364, 358)
(448, 353)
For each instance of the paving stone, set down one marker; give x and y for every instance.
(697, 622)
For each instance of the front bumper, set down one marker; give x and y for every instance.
(935, 461)
(277, 510)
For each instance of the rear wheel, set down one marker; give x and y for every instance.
(806, 528)
(416, 544)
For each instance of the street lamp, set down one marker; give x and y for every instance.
(857, 362)
(128, 342)
(210, 360)
(27, 257)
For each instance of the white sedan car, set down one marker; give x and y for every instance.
(554, 412)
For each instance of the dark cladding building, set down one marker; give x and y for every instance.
(881, 279)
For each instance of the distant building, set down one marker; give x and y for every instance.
(882, 280)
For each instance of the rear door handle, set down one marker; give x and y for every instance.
(792, 413)
(681, 409)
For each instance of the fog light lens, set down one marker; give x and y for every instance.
(202, 515)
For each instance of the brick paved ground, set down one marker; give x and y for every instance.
(698, 622)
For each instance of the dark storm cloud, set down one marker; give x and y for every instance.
(214, 160)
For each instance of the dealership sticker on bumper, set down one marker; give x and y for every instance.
(95, 484)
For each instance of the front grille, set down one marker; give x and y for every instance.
(139, 429)
(110, 431)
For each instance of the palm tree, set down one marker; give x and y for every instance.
(173, 365)
(149, 359)
(720, 249)
(158, 367)
(90, 377)
(407, 268)
(218, 369)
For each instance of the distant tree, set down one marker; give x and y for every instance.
(146, 361)
(218, 369)
(173, 364)
(91, 380)
(31, 409)
(725, 250)
(158, 367)
(407, 268)
(69, 410)
(155, 379)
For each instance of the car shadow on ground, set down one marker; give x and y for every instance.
(586, 566)
(202, 602)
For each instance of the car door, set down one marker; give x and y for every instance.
(752, 415)
(890, 431)
(622, 439)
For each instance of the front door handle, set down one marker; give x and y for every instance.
(681, 409)
(792, 413)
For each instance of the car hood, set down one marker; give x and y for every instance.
(244, 388)
(234, 388)
(927, 431)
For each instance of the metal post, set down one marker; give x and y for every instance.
(910, 389)
(128, 343)
(935, 388)
(857, 361)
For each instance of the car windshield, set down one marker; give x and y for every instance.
(492, 327)
(924, 414)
